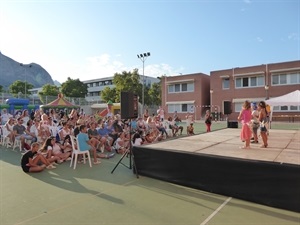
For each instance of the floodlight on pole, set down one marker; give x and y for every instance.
(211, 93)
(21, 64)
(267, 91)
(143, 58)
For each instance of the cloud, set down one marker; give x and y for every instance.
(293, 36)
(259, 39)
(106, 65)
(248, 1)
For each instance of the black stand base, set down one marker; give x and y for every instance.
(129, 154)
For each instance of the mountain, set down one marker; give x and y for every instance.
(11, 70)
(56, 83)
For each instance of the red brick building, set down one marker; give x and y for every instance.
(226, 90)
(231, 87)
(185, 93)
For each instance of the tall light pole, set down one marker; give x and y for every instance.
(267, 91)
(143, 58)
(21, 64)
(211, 92)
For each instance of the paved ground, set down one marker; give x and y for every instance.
(95, 196)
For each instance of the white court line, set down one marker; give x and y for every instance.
(216, 211)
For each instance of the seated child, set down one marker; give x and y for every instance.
(190, 129)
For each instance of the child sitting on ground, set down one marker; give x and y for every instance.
(190, 129)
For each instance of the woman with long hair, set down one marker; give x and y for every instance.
(9, 125)
(47, 150)
(245, 118)
(263, 119)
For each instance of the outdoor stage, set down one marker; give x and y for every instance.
(213, 162)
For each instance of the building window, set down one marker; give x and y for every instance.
(171, 88)
(184, 87)
(289, 78)
(225, 83)
(245, 82)
(184, 108)
(286, 108)
(253, 81)
(180, 108)
(238, 106)
(294, 78)
(283, 79)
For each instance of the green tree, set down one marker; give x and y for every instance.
(48, 90)
(108, 94)
(19, 87)
(1, 89)
(155, 94)
(74, 88)
(127, 81)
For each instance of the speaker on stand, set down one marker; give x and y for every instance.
(129, 110)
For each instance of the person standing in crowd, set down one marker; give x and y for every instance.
(263, 122)
(5, 116)
(109, 109)
(245, 118)
(176, 117)
(161, 113)
(146, 115)
(189, 118)
(208, 119)
(254, 122)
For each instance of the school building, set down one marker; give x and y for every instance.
(224, 91)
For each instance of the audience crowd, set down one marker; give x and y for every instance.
(52, 130)
(107, 136)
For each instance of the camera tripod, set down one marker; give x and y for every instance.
(128, 153)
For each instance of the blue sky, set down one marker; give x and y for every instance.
(94, 39)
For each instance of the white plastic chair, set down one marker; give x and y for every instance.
(17, 143)
(1, 135)
(76, 151)
(166, 125)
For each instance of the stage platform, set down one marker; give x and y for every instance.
(214, 162)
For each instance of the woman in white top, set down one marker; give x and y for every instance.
(137, 140)
(53, 151)
(64, 131)
(25, 117)
(121, 144)
(8, 130)
(43, 128)
(5, 116)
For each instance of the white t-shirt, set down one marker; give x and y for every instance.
(138, 141)
(5, 117)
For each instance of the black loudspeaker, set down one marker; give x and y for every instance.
(232, 124)
(129, 105)
(227, 107)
